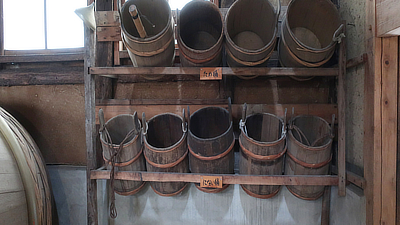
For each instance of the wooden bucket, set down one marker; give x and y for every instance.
(200, 34)
(158, 47)
(310, 31)
(211, 142)
(25, 190)
(251, 32)
(123, 133)
(309, 152)
(263, 143)
(166, 150)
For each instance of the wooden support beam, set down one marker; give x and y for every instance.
(372, 118)
(90, 128)
(64, 57)
(389, 128)
(226, 178)
(357, 61)
(326, 206)
(341, 89)
(227, 71)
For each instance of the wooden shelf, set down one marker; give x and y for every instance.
(323, 180)
(227, 71)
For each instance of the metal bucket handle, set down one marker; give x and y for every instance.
(242, 123)
(101, 119)
(184, 123)
(284, 124)
(145, 125)
(337, 37)
(188, 116)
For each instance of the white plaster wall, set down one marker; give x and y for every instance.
(232, 206)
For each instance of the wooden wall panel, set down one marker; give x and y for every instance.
(387, 17)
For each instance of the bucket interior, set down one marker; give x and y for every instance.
(152, 12)
(251, 23)
(312, 22)
(200, 25)
(118, 127)
(209, 122)
(264, 127)
(315, 129)
(164, 130)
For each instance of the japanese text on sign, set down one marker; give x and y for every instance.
(211, 181)
(214, 73)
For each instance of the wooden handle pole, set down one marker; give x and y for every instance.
(138, 22)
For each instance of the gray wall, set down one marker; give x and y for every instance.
(232, 206)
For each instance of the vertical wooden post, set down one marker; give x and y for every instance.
(90, 128)
(104, 57)
(398, 146)
(342, 117)
(326, 206)
(389, 128)
(372, 119)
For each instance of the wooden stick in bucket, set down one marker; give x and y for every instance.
(138, 22)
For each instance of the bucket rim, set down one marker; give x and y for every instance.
(265, 143)
(285, 23)
(178, 29)
(125, 144)
(312, 148)
(248, 51)
(171, 147)
(230, 128)
(147, 39)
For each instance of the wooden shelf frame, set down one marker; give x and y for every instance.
(93, 159)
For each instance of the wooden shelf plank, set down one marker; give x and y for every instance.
(226, 178)
(227, 71)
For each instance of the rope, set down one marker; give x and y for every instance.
(113, 154)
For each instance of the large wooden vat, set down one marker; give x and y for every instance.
(165, 149)
(25, 192)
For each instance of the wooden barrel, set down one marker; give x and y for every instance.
(263, 143)
(251, 32)
(158, 47)
(123, 133)
(310, 31)
(26, 195)
(200, 34)
(211, 142)
(166, 150)
(309, 152)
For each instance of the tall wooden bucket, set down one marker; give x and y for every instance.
(200, 34)
(121, 135)
(263, 143)
(211, 143)
(158, 47)
(25, 191)
(309, 152)
(309, 33)
(166, 150)
(251, 32)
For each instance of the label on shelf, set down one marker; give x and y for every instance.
(211, 73)
(211, 181)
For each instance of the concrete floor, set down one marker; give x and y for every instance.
(232, 206)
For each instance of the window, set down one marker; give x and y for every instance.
(177, 4)
(42, 24)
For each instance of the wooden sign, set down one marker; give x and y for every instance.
(211, 181)
(211, 73)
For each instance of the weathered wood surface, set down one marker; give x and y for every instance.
(387, 19)
(62, 57)
(389, 128)
(227, 71)
(226, 179)
(42, 74)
